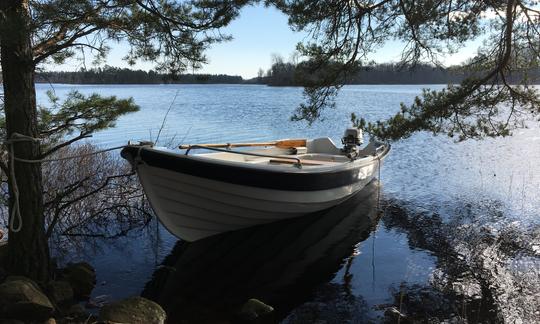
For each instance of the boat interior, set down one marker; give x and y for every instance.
(316, 152)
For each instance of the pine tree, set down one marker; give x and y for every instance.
(497, 95)
(172, 33)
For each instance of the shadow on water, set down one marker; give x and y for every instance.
(279, 263)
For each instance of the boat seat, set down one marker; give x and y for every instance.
(304, 162)
(299, 150)
(322, 145)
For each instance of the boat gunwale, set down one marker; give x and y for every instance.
(274, 177)
(277, 168)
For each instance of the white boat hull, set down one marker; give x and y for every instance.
(196, 196)
(193, 208)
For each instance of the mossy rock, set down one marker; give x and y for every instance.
(10, 321)
(82, 278)
(23, 278)
(84, 265)
(254, 309)
(60, 291)
(3, 256)
(21, 298)
(3, 251)
(77, 310)
(133, 310)
(3, 274)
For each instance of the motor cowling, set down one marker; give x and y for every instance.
(352, 138)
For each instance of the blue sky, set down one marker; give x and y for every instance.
(258, 33)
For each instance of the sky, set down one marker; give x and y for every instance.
(258, 33)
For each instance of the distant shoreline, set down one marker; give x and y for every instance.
(280, 75)
(241, 84)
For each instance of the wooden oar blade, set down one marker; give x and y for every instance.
(225, 145)
(288, 143)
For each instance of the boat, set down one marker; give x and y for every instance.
(283, 264)
(226, 187)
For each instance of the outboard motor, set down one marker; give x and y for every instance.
(352, 138)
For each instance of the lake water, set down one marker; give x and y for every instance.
(459, 235)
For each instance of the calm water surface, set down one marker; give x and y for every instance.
(458, 236)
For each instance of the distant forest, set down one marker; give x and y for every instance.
(280, 74)
(284, 73)
(289, 74)
(113, 75)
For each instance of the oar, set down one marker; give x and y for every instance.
(287, 143)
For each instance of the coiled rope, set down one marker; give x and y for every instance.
(15, 138)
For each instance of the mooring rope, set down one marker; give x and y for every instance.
(16, 137)
(15, 209)
(70, 157)
(379, 210)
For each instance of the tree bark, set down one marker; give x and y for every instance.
(28, 252)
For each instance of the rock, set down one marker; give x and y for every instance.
(3, 274)
(60, 291)
(82, 278)
(93, 304)
(10, 321)
(21, 298)
(77, 310)
(133, 310)
(3, 251)
(393, 314)
(3, 254)
(254, 309)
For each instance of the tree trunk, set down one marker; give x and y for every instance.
(28, 252)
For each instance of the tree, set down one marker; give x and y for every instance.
(281, 72)
(494, 98)
(172, 33)
(82, 195)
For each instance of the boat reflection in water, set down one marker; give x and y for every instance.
(280, 263)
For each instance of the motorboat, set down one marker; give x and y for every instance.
(283, 264)
(229, 186)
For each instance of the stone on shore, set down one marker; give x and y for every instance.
(133, 310)
(254, 309)
(393, 314)
(3, 254)
(3, 274)
(77, 310)
(60, 291)
(82, 278)
(11, 321)
(21, 298)
(3, 251)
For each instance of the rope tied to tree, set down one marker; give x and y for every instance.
(15, 214)
(15, 211)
